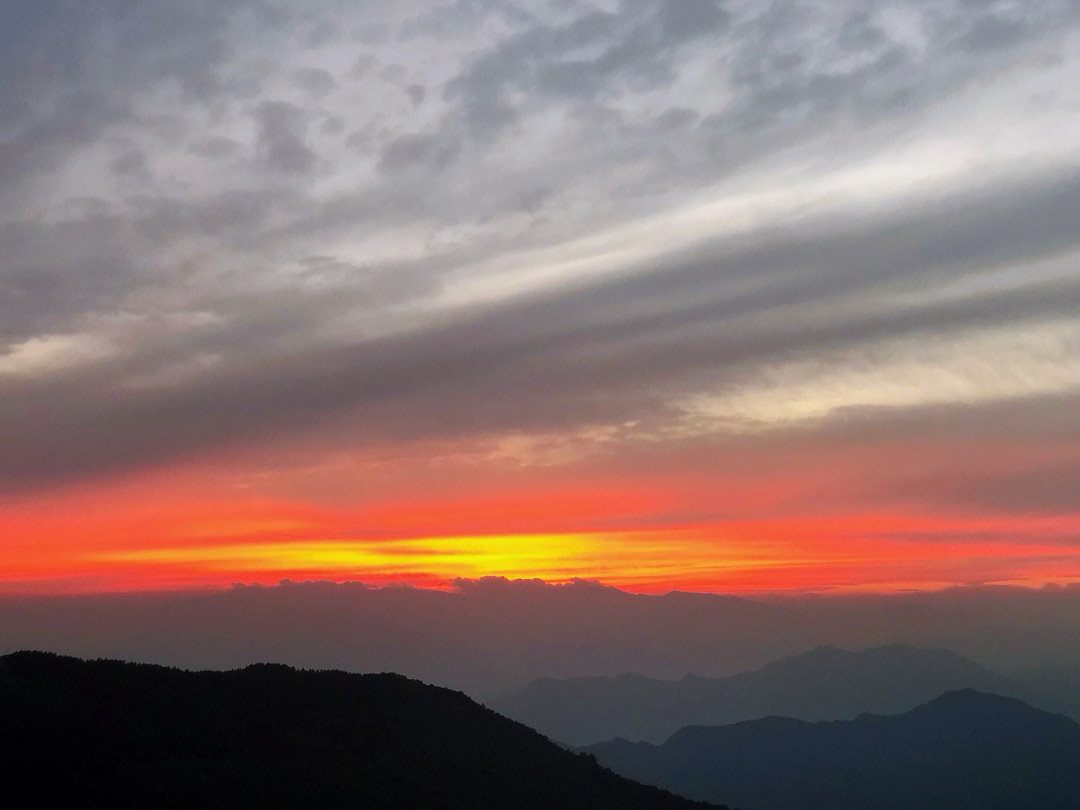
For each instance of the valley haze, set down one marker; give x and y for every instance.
(492, 637)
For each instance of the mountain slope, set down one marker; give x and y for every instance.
(966, 750)
(823, 684)
(1052, 687)
(130, 735)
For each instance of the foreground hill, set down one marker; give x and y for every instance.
(823, 684)
(966, 750)
(132, 735)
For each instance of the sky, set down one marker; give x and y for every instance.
(739, 297)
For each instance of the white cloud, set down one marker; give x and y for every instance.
(968, 368)
(48, 353)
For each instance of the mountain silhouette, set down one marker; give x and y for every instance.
(823, 684)
(135, 735)
(1052, 687)
(965, 750)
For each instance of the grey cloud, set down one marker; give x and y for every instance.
(314, 81)
(685, 19)
(52, 273)
(779, 83)
(373, 33)
(40, 143)
(429, 152)
(675, 118)
(717, 301)
(281, 137)
(483, 119)
(793, 67)
(463, 16)
(132, 162)
(605, 352)
(364, 64)
(333, 125)
(216, 148)
(1046, 489)
(798, 64)
(860, 33)
(52, 45)
(377, 286)
(322, 32)
(990, 32)
(237, 219)
(556, 60)
(69, 71)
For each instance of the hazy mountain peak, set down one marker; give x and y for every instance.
(824, 683)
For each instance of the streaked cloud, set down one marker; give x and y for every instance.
(985, 365)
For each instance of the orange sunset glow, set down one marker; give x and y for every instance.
(164, 531)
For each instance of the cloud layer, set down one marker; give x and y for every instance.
(612, 228)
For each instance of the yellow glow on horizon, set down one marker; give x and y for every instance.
(554, 557)
(649, 560)
(155, 534)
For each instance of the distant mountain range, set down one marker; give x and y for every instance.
(125, 735)
(824, 684)
(965, 750)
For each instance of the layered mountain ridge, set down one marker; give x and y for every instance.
(964, 750)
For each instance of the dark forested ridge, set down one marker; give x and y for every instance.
(268, 736)
(965, 750)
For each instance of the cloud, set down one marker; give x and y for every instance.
(579, 57)
(314, 81)
(416, 151)
(785, 326)
(281, 137)
(985, 365)
(517, 221)
(52, 352)
(991, 32)
(53, 273)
